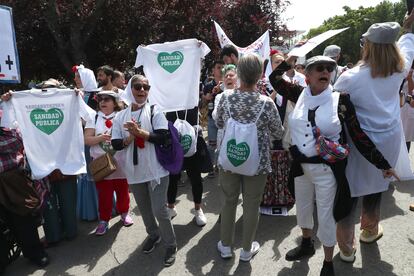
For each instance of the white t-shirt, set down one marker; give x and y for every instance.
(173, 71)
(98, 150)
(148, 167)
(51, 129)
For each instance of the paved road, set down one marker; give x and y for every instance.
(118, 252)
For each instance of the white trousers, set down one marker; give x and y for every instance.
(318, 180)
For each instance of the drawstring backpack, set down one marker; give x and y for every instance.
(187, 135)
(239, 151)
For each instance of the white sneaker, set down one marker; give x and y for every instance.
(246, 256)
(347, 258)
(172, 212)
(225, 251)
(200, 218)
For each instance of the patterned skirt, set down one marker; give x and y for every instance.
(276, 192)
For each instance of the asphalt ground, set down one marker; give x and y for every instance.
(119, 251)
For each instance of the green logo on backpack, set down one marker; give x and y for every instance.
(237, 153)
(47, 121)
(186, 142)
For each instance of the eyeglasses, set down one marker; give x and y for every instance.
(139, 86)
(321, 68)
(103, 99)
(361, 42)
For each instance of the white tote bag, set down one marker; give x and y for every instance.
(188, 136)
(239, 151)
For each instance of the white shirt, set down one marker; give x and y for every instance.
(148, 167)
(376, 100)
(51, 129)
(173, 71)
(326, 118)
(100, 149)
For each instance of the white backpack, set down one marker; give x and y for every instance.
(239, 151)
(188, 136)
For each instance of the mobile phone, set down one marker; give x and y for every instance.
(410, 6)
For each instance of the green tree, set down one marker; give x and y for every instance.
(358, 21)
(54, 35)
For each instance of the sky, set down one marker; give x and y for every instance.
(307, 14)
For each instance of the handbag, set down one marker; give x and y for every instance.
(102, 166)
(330, 151)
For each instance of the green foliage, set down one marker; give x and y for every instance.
(52, 36)
(358, 21)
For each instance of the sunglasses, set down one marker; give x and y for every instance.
(139, 86)
(321, 68)
(361, 42)
(103, 99)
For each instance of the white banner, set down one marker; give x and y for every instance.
(261, 46)
(9, 59)
(314, 42)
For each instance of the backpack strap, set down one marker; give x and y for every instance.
(261, 111)
(96, 118)
(152, 112)
(228, 105)
(311, 116)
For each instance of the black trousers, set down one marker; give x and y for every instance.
(193, 167)
(24, 229)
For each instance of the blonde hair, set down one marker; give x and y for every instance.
(383, 59)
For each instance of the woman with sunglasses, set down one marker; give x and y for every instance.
(136, 129)
(373, 86)
(317, 106)
(98, 137)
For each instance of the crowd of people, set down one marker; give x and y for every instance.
(337, 131)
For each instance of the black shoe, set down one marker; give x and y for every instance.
(303, 250)
(41, 261)
(327, 269)
(169, 259)
(150, 244)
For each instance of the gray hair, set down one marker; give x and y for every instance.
(136, 78)
(250, 68)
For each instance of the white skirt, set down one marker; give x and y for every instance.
(363, 177)
(407, 119)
